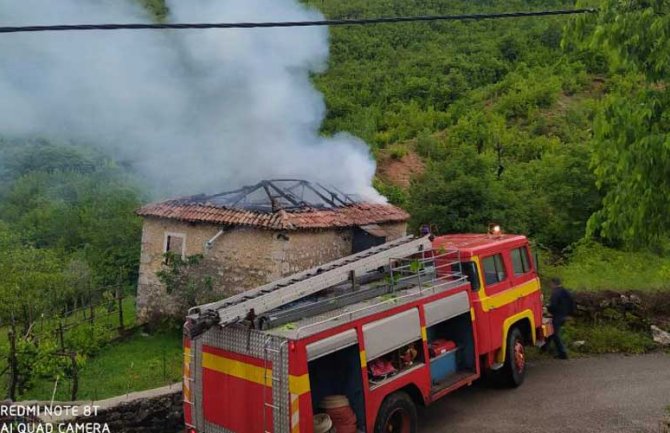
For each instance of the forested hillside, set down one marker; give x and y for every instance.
(66, 222)
(509, 121)
(499, 112)
(525, 122)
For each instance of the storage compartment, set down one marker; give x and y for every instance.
(393, 345)
(451, 348)
(338, 374)
(395, 362)
(443, 366)
(386, 335)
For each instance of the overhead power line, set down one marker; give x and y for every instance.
(253, 25)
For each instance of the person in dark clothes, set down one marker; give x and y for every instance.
(561, 305)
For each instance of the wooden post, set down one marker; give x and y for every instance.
(75, 376)
(119, 297)
(13, 362)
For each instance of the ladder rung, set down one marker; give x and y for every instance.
(271, 406)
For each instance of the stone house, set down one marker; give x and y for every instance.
(258, 233)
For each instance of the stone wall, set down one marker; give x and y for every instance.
(636, 309)
(153, 411)
(241, 257)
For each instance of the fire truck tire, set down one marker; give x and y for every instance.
(514, 370)
(397, 414)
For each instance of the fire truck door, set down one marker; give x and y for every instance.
(496, 303)
(481, 319)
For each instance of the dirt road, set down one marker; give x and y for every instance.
(604, 394)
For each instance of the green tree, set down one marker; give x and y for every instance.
(631, 157)
(31, 279)
(459, 194)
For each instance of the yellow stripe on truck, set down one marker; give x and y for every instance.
(509, 322)
(238, 369)
(510, 295)
(187, 374)
(297, 384)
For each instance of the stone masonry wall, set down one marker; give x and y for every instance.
(153, 411)
(242, 257)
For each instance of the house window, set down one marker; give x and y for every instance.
(494, 269)
(175, 245)
(520, 261)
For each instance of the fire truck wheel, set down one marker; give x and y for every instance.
(397, 414)
(515, 364)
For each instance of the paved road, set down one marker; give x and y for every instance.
(605, 394)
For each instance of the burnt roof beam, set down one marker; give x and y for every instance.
(284, 194)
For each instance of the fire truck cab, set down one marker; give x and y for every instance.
(365, 351)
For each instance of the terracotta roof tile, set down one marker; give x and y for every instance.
(345, 216)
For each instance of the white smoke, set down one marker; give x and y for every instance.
(193, 111)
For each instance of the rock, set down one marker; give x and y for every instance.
(660, 336)
(578, 343)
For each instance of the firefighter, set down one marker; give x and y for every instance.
(561, 305)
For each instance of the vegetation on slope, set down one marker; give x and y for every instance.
(554, 127)
(140, 362)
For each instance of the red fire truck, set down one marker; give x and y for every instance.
(382, 331)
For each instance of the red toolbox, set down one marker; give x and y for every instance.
(440, 346)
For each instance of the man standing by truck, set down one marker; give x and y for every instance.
(561, 305)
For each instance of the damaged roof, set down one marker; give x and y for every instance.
(284, 204)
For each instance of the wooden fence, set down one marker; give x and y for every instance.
(104, 308)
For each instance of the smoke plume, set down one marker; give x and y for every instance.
(192, 111)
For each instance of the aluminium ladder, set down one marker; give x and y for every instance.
(273, 295)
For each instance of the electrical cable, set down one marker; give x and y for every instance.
(280, 24)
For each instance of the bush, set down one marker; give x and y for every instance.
(526, 95)
(393, 193)
(89, 339)
(398, 151)
(430, 147)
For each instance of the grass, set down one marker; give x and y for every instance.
(595, 267)
(607, 338)
(601, 339)
(137, 363)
